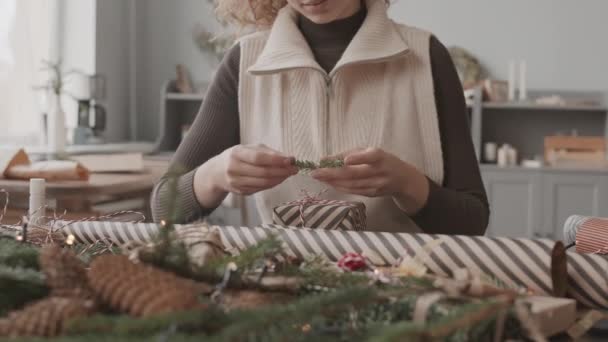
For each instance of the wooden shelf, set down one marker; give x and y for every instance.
(578, 170)
(527, 106)
(533, 106)
(184, 97)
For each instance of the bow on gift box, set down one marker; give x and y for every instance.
(307, 200)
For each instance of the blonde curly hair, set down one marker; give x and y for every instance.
(243, 13)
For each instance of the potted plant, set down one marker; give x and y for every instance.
(55, 88)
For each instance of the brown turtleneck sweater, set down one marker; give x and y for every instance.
(458, 206)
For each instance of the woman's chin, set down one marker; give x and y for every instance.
(320, 18)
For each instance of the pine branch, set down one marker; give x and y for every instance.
(331, 163)
(19, 286)
(208, 321)
(402, 331)
(17, 254)
(291, 318)
(168, 253)
(469, 315)
(111, 338)
(87, 252)
(307, 165)
(173, 256)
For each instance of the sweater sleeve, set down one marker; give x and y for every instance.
(215, 129)
(460, 205)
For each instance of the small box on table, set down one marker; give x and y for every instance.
(321, 214)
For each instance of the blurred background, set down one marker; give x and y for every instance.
(130, 76)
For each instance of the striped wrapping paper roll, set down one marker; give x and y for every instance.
(516, 262)
(589, 233)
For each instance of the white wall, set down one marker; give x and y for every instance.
(96, 41)
(164, 40)
(77, 25)
(564, 41)
(112, 43)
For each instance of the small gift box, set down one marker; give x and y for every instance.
(313, 212)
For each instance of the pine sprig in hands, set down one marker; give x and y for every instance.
(307, 165)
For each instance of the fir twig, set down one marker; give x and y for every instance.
(307, 165)
(87, 252)
(207, 321)
(292, 318)
(469, 315)
(17, 254)
(19, 286)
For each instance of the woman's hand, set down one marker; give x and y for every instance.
(373, 172)
(242, 169)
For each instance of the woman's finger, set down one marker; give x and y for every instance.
(261, 157)
(366, 192)
(364, 183)
(368, 156)
(255, 182)
(345, 173)
(342, 155)
(249, 170)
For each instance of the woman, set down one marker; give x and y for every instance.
(334, 78)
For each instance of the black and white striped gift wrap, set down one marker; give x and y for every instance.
(322, 214)
(516, 262)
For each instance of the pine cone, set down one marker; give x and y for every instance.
(65, 273)
(141, 290)
(45, 318)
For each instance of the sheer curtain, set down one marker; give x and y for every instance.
(25, 40)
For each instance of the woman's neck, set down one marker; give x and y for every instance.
(336, 33)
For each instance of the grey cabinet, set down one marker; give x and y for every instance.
(514, 198)
(571, 193)
(536, 203)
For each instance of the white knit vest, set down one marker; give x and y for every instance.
(380, 94)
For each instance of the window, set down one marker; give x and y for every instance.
(25, 40)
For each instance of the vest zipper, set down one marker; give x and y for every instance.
(328, 96)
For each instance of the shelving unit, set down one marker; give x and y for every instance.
(524, 124)
(535, 202)
(540, 107)
(532, 106)
(557, 170)
(176, 109)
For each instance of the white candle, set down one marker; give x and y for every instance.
(503, 156)
(490, 152)
(523, 91)
(512, 156)
(37, 208)
(511, 81)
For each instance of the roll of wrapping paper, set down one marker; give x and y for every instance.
(516, 262)
(589, 233)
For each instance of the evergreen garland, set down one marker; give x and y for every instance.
(347, 314)
(351, 311)
(342, 306)
(18, 254)
(19, 286)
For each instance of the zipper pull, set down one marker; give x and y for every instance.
(328, 87)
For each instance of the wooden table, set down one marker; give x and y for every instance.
(103, 193)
